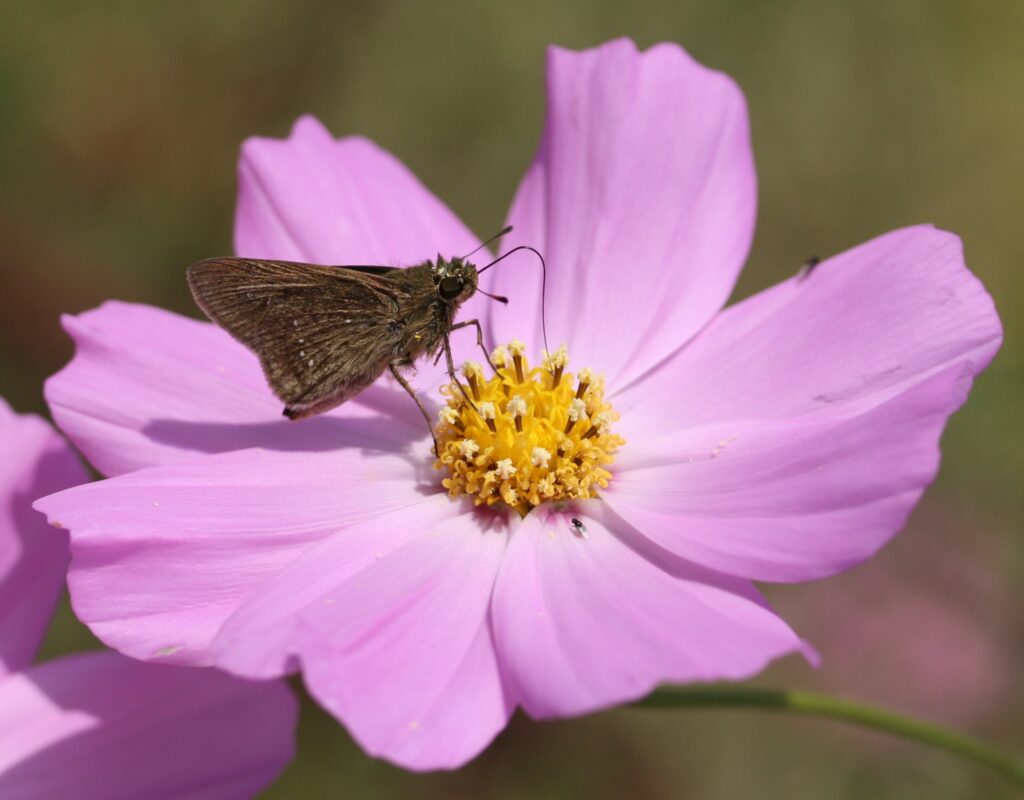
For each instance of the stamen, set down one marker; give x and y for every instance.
(499, 356)
(487, 413)
(451, 416)
(517, 348)
(533, 436)
(555, 363)
(505, 469)
(585, 378)
(540, 457)
(577, 409)
(600, 424)
(517, 408)
(474, 374)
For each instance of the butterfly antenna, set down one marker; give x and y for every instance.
(499, 297)
(498, 235)
(543, 284)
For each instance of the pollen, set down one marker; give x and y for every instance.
(526, 436)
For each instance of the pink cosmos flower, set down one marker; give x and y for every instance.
(783, 439)
(99, 724)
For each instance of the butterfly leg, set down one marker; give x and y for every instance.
(450, 363)
(393, 366)
(479, 339)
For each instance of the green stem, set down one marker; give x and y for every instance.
(821, 705)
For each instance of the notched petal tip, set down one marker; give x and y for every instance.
(305, 128)
(674, 145)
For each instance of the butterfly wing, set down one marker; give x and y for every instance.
(322, 334)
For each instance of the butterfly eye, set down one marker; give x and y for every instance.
(449, 288)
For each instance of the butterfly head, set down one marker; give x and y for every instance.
(454, 280)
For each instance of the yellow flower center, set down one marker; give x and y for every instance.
(526, 436)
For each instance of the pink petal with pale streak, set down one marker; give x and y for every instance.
(790, 500)
(586, 622)
(34, 461)
(100, 725)
(315, 198)
(162, 557)
(148, 387)
(822, 402)
(400, 648)
(258, 640)
(642, 199)
(866, 324)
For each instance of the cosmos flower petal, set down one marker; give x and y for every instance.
(585, 620)
(642, 199)
(259, 638)
(791, 500)
(866, 324)
(315, 198)
(161, 557)
(34, 461)
(792, 438)
(148, 387)
(400, 651)
(101, 725)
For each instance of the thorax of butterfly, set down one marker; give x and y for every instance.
(324, 333)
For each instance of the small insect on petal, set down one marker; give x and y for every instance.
(807, 268)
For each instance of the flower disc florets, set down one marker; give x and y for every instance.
(529, 435)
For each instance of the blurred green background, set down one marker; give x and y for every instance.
(119, 128)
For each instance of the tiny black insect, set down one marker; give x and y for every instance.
(807, 268)
(325, 333)
(579, 528)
